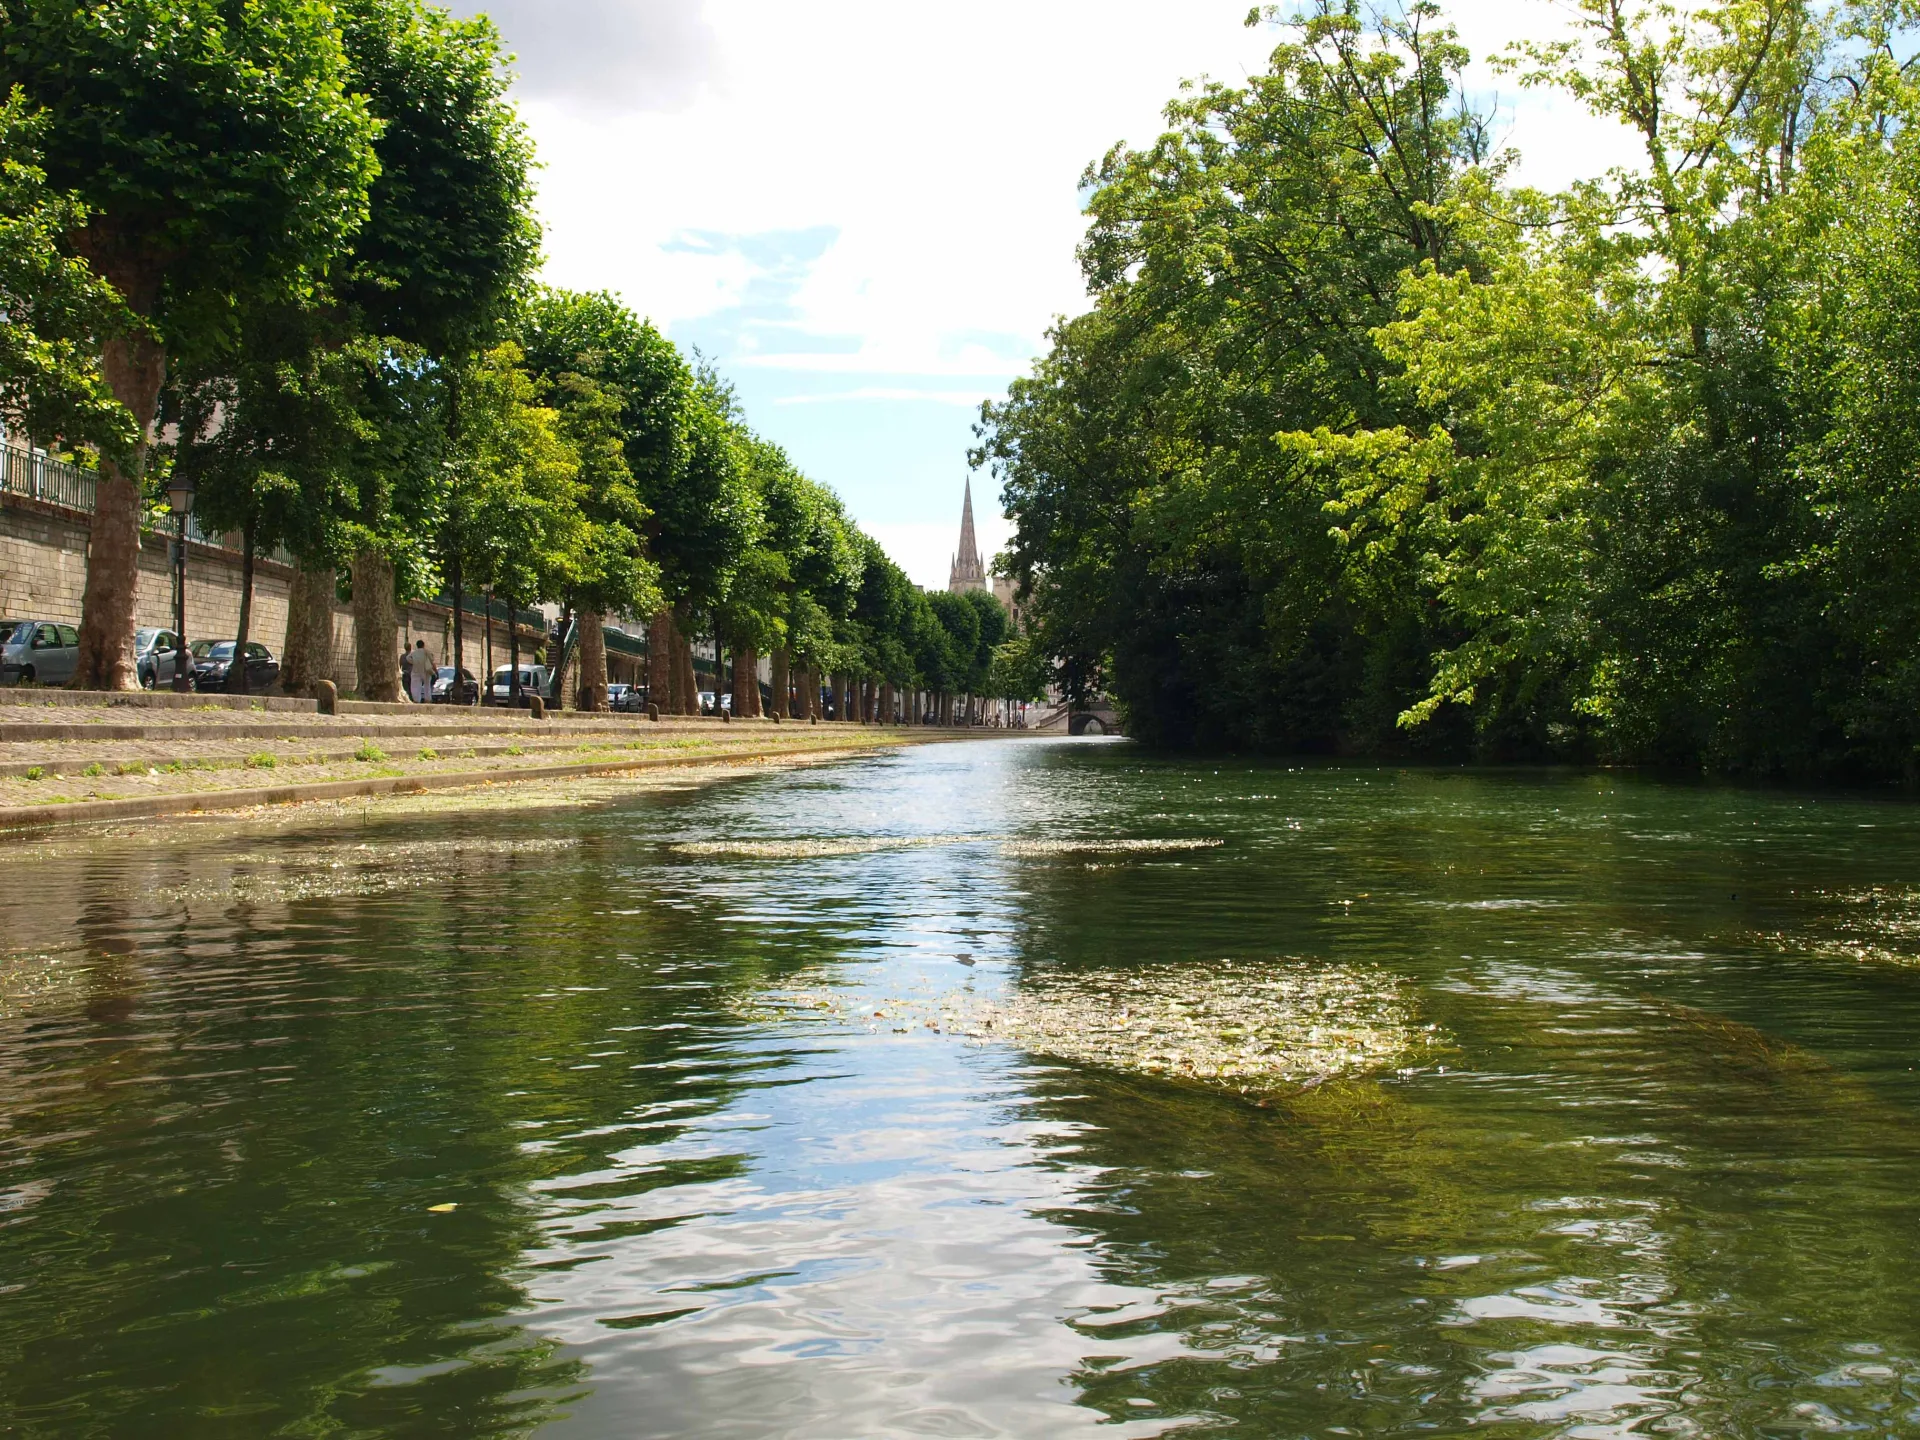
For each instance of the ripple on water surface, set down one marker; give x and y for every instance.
(683, 1116)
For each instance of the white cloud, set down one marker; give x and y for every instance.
(607, 55)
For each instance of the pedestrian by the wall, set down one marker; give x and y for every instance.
(421, 668)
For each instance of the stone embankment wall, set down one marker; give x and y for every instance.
(43, 576)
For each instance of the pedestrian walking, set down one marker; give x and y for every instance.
(421, 668)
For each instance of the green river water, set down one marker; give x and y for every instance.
(1661, 1175)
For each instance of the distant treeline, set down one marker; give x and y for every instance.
(1365, 448)
(286, 249)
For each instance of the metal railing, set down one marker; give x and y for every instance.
(37, 476)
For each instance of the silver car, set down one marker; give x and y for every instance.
(155, 653)
(38, 652)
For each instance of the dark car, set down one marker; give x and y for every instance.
(213, 665)
(155, 653)
(445, 693)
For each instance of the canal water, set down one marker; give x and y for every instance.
(486, 1125)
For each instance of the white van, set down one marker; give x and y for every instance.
(533, 680)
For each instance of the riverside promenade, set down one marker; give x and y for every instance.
(79, 757)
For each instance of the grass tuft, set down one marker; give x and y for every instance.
(36, 772)
(427, 752)
(369, 753)
(261, 761)
(96, 768)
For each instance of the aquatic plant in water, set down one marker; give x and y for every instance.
(1243, 1025)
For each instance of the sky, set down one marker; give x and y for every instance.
(865, 214)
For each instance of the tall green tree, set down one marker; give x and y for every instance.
(220, 153)
(1170, 547)
(448, 243)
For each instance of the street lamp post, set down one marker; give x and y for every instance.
(180, 501)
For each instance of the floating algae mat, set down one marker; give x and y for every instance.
(363, 869)
(1237, 1024)
(1106, 847)
(799, 849)
(1246, 1026)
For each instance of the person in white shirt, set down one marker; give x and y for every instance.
(421, 669)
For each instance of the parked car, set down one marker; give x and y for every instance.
(213, 663)
(533, 680)
(38, 652)
(444, 693)
(632, 699)
(155, 655)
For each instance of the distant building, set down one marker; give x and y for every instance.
(967, 573)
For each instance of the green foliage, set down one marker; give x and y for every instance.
(516, 516)
(219, 149)
(51, 388)
(1362, 447)
(450, 235)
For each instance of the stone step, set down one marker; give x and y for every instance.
(266, 727)
(93, 811)
(73, 759)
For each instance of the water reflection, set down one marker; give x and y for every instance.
(1666, 1182)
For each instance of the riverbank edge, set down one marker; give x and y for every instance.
(161, 807)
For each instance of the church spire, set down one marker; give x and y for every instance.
(967, 573)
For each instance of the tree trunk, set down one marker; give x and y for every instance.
(308, 655)
(686, 676)
(238, 681)
(376, 628)
(459, 632)
(513, 652)
(887, 716)
(593, 662)
(782, 679)
(133, 367)
(486, 669)
(743, 685)
(660, 661)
